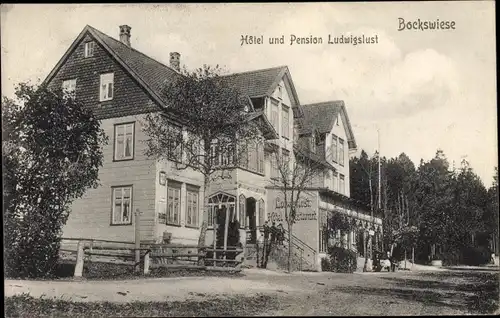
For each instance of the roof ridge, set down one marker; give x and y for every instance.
(324, 103)
(131, 48)
(256, 70)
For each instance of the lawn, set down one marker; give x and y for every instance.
(27, 306)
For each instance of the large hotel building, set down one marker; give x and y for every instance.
(121, 85)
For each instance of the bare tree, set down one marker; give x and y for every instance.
(206, 127)
(293, 176)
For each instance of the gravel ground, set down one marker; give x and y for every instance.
(453, 291)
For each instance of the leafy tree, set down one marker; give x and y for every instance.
(293, 179)
(51, 150)
(206, 127)
(490, 217)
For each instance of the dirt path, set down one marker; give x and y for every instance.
(450, 292)
(156, 289)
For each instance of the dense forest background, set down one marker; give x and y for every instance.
(441, 212)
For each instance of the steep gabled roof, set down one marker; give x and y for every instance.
(147, 72)
(263, 82)
(322, 116)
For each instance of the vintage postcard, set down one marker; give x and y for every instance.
(250, 159)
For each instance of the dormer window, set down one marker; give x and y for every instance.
(89, 49)
(106, 91)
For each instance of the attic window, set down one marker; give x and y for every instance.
(89, 49)
(337, 120)
(280, 92)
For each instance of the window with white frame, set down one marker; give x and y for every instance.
(334, 148)
(106, 91)
(341, 152)
(122, 205)
(285, 122)
(275, 114)
(162, 211)
(260, 158)
(192, 205)
(173, 203)
(342, 184)
(89, 49)
(219, 203)
(274, 166)
(124, 141)
(69, 88)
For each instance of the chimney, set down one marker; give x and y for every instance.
(175, 61)
(125, 34)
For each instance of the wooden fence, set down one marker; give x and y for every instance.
(170, 256)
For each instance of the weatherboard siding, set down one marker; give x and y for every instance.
(91, 215)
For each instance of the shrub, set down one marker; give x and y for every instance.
(52, 151)
(342, 260)
(326, 266)
(475, 256)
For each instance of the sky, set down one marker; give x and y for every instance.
(422, 90)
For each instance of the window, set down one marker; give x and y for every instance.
(192, 206)
(218, 204)
(89, 49)
(285, 125)
(335, 182)
(275, 114)
(274, 166)
(124, 141)
(260, 158)
(69, 88)
(106, 87)
(162, 211)
(341, 152)
(210, 216)
(261, 212)
(334, 148)
(173, 203)
(342, 184)
(252, 156)
(280, 91)
(242, 211)
(122, 205)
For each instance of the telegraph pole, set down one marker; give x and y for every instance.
(379, 205)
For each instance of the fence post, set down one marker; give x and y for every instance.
(137, 240)
(146, 263)
(79, 260)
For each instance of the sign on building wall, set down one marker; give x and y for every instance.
(306, 209)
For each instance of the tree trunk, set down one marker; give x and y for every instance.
(371, 194)
(289, 246)
(204, 225)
